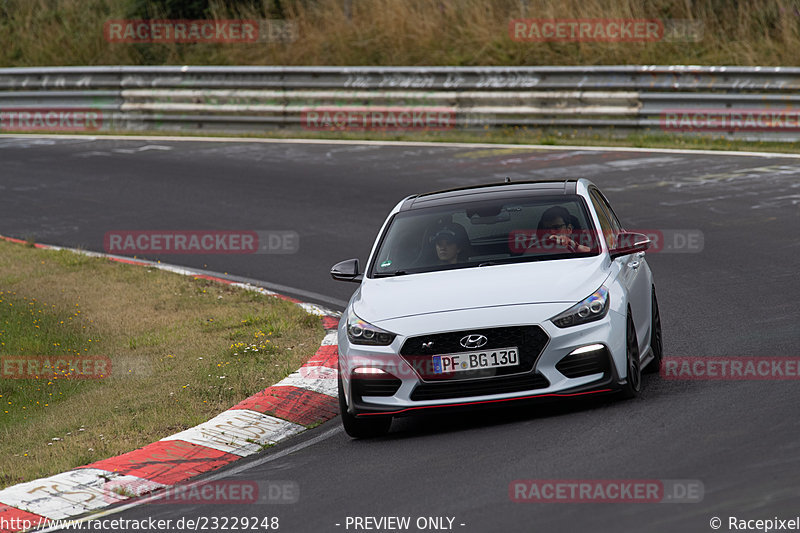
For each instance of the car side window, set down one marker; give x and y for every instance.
(615, 223)
(609, 232)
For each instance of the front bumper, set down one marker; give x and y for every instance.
(397, 392)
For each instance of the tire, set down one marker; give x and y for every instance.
(361, 428)
(656, 340)
(633, 381)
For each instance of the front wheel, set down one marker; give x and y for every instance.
(656, 342)
(633, 382)
(361, 428)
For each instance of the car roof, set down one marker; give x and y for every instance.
(491, 191)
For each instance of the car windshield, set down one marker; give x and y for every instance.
(484, 233)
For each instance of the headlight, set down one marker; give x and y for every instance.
(360, 332)
(592, 308)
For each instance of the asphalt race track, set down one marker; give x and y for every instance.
(736, 296)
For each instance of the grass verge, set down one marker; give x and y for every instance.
(407, 32)
(182, 350)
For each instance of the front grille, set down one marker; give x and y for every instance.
(375, 386)
(585, 364)
(529, 340)
(483, 387)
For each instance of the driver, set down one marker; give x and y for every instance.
(556, 227)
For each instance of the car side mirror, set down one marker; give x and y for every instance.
(346, 271)
(629, 243)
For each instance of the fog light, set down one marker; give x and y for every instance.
(587, 349)
(368, 370)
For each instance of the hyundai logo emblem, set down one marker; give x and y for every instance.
(474, 341)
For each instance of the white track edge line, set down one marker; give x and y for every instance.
(402, 143)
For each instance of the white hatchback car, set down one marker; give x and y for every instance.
(494, 294)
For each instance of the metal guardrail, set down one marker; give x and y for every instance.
(746, 102)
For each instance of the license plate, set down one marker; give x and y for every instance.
(462, 362)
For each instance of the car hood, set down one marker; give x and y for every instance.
(556, 281)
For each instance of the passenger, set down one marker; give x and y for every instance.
(451, 243)
(556, 228)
